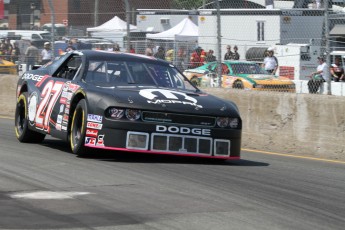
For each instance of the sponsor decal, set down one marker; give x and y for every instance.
(183, 130)
(59, 119)
(73, 87)
(58, 127)
(32, 107)
(91, 132)
(64, 128)
(93, 125)
(63, 100)
(64, 94)
(100, 140)
(69, 96)
(94, 118)
(30, 76)
(65, 117)
(90, 140)
(67, 110)
(154, 96)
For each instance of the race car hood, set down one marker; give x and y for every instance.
(174, 101)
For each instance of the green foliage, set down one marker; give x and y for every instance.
(188, 4)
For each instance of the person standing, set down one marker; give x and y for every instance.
(210, 57)
(15, 53)
(46, 54)
(271, 62)
(229, 54)
(160, 53)
(70, 46)
(9, 48)
(321, 75)
(197, 58)
(337, 71)
(31, 56)
(236, 55)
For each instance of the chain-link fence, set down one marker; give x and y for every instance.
(257, 45)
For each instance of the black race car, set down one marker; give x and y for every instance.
(125, 102)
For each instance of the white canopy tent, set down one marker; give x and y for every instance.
(115, 30)
(113, 25)
(186, 30)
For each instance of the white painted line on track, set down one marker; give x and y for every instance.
(47, 195)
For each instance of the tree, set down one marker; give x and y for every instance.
(188, 4)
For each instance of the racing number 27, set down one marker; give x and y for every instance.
(49, 95)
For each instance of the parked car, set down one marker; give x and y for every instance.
(124, 102)
(239, 75)
(7, 67)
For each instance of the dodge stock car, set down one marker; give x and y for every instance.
(124, 102)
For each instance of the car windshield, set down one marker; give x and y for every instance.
(122, 73)
(247, 68)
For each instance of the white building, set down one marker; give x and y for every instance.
(259, 27)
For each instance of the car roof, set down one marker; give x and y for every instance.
(238, 62)
(102, 54)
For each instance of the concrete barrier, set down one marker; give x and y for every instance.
(8, 84)
(300, 124)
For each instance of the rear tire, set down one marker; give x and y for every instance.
(78, 129)
(238, 85)
(23, 133)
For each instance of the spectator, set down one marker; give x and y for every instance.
(15, 53)
(131, 49)
(31, 56)
(229, 54)
(116, 48)
(210, 57)
(236, 55)
(70, 46)
(9, 49)
(197, 58)
(337, 71)
(169, 55)
(318, 4)
(271, 62)
(46, 54)
(148, 51)
(160, 53)
(321, 75)
(2, 50)
(181, 58)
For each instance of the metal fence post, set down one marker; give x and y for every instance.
(128, 25)
(219, 44)
(328, 59)
(53, 27)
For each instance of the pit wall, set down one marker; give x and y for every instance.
(299, 124)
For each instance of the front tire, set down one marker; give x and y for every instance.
(23, 133)
(195, 81)
(78, 128)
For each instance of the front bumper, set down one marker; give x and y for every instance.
(144, 137)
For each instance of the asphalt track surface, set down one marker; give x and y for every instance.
(43, 186)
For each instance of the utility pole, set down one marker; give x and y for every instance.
(96, 13)
(53, 27)
(127, 21)
(328, 59)
(219, 41)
